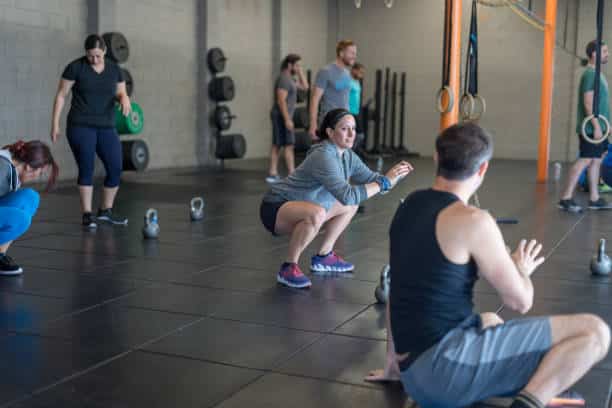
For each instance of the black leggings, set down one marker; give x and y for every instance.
(85, 142)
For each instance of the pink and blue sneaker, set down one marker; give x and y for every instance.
(330, 263)
(291, 275)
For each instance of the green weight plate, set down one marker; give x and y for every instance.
(132, 123)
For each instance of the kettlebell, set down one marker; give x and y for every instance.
(601, 264)
(196, 208)
(382, 290)
(151, 227)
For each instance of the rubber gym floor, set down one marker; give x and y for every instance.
(196, 319)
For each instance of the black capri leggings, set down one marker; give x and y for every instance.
(85, 142)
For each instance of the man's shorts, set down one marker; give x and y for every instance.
(470, 364)
(591, 150)
(281, 136)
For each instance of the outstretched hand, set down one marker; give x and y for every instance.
(398, 172)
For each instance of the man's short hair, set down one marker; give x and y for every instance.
(343, 45)
(357, 66)
(592, 47)
(461, 150)
(290, 59)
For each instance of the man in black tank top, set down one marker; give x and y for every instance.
(444, 354)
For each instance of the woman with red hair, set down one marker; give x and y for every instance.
(20, 163)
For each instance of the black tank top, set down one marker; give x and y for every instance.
(430, 295)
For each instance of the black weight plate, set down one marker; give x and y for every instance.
(223, 117)
(117, 47)
(129, 81)
(221, 89)
(231, 146)
(135, 155)
(216, 60)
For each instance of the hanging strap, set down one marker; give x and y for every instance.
(446, 57)
(602, 119)
(470, 99)
(600, 16)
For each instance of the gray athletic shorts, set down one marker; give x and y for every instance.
(470, 364)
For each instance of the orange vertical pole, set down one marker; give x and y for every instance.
(547, 89)
(452, 117)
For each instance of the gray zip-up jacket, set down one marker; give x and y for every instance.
(9, 178)
(324, 177)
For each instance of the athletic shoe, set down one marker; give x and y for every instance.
(272, 179)
(108, 216)
(291, 275)
(604, 188)
(89, 221)
(330, 263)
(600, 204)
(569, 205)
(567, 399)
(8, 267)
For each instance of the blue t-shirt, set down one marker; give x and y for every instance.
(355, 97)
(336, 84)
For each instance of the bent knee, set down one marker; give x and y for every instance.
(317, 217)
(602, 333)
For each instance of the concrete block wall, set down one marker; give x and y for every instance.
(164, 63)
(37, 39)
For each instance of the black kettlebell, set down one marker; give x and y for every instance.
(601, 264)
(382, 290)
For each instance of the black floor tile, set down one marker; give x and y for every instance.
(151, 270)
(286, 308)
(32, 362)
(368, 324)
(187, 299)
(147, 380)
(349, 362)
(62, 260)
(235, 343)
(279, 391)
(114, 329)
(28, 312)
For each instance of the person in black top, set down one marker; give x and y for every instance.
(97, 84)
(444, 353)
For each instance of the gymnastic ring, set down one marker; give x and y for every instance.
(605, 134)
(451, 99)
(483, 107)
(466, 106)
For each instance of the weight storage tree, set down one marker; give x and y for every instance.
(135, 151)
(221, 89)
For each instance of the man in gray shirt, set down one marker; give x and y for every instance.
(285, 97)
(332, 85)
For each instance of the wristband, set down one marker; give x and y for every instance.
(385, 184)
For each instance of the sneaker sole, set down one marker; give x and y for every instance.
(109, 221)
(11, 273)
(293, 285)
(569, 210)
(325, 268)
(599, 208)
(91, 226)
